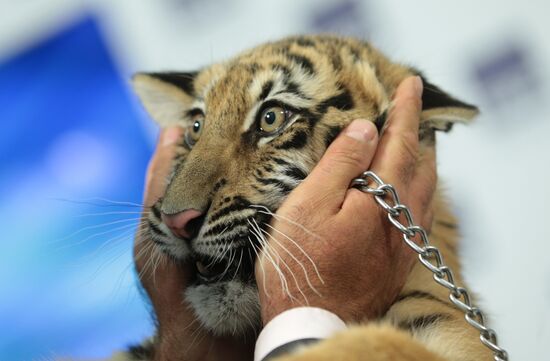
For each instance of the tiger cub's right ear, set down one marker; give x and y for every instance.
(165, 96)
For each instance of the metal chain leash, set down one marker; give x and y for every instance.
(430, 256)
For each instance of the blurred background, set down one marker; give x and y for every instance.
(74, 145)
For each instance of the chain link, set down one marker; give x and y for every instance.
(413, 235)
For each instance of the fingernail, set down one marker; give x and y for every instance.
(361, 130)
(170, 135)
(418, 86)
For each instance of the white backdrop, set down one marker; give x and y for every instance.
(491, 53)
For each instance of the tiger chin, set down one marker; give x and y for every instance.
(255, 126)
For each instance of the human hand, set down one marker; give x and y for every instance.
(340, 252)
(179, 334)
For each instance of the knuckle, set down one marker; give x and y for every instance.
(409, 147)
(349, 157)
(412, 103)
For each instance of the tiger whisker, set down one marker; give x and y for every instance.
(289, 269)
(111, 241)
(267, 211)
(121, 228)
(110, 260)
(95, 227)
(160, 259)
(148, 250)
(261, 265)
(148, 267)
(266, 250)
(301, 250)
(142, 251)
(223, 231)
(110, 213)
(238, 265)
(89, 201)
(273, 239)
(220, 255)
(231, 259)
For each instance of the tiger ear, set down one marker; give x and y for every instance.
(165, 96)
(440, 111)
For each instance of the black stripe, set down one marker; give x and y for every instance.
(355, 53)
(283, 69)
(234, 207)
(155, 229)
(303, 61)
(184, 81)
(294, 88)
(342, 101)
(156, 211)
(141, 352)
(238, 204)
(304, 42)
(159, 243)
(242, 201)
(331, 134)
(216, 229)
(295, 173)
(219, 184)
(280, 161)
(253, 67)
(297, 140)
(283, 187)
(420, 295)
(260, 190)
(266, 89)
(336, 61)
(380, 120)
(423, 321)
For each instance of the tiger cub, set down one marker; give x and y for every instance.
(239, 160)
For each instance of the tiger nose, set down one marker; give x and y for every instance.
(184, 224)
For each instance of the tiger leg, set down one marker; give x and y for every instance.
(376, 342)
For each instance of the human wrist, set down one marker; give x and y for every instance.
(275, 304)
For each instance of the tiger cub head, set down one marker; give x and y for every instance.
(254, 128)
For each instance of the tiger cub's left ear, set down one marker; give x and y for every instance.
(440, 110)
(165, 96)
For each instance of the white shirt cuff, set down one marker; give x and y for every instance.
(296, 324)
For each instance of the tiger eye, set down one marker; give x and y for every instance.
(194, 131)
(272, 119)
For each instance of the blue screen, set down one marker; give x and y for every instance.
(73, 153)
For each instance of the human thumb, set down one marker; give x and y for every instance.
(347, 157)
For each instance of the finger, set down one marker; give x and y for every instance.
(161, 164)
(398, 150)
(347, 157)
(423, 185)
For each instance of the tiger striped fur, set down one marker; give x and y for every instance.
(233, 169)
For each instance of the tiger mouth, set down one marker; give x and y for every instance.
(209, 270)
(212, 270)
